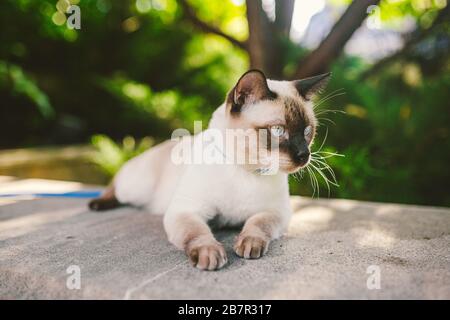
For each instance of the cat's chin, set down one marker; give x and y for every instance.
(293, 168)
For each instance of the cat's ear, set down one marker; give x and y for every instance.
(250, 88)
(308, 87)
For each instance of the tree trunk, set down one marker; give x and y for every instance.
(263, 43)
(319, 60)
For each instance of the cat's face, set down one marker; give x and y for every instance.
(281, 115)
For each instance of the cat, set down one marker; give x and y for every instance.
(192, 194)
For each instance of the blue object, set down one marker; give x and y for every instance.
(73, 194)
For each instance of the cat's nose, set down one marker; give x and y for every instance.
(302, 156)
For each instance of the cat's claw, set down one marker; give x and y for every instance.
(208, 257)
(250, 247)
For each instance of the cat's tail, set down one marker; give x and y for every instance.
(106, 201)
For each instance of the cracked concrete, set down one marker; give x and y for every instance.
(124, 254)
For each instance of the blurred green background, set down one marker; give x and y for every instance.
(137, 69)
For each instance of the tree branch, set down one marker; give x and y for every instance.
(257, 27)
(319, 60)
(263, 41)
(284, 10)
(190, 14)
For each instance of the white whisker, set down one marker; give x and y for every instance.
(329, 94)
(322, 101)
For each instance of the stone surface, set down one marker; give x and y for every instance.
(124, 254)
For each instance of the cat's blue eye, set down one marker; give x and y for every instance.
(307, 131)
(277, 131)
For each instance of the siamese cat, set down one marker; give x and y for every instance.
(192, 194)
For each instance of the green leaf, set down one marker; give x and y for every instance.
(21, 83)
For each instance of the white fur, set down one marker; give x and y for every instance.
(228, 191)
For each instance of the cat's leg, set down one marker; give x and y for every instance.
(258, 231)
(191, 233)
(106, 201)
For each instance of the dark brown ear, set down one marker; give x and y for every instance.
(308, 87)
(250, 88)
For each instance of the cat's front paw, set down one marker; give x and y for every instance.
(250, 247)
(207, 257)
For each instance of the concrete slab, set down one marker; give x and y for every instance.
(329, 250)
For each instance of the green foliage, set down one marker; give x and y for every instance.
(137, 68)
(20, 83)
(394, 133)
(110, 156)
(424, 11)
(123, 50)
